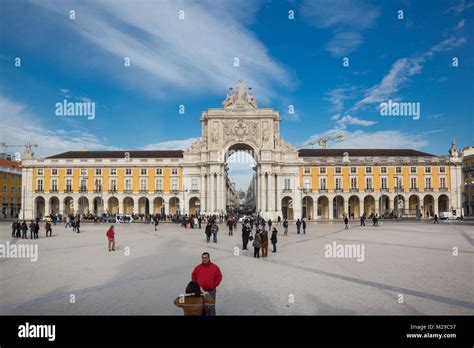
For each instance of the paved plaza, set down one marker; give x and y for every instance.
(412, 259)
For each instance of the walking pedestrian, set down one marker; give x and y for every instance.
(37, 228)
(24, 228)
(245, 236)
(264, 235)
(214, 230)
(230, 224)
(279, 220)
(346, 222)
(285, 227)
(194, 303)
(48, 229)
(13, 229)
(274, 239)
(304, 226)
(208, 231)
(155, 221)
(111, 238)
(298, 226)
(199, 221)
(257, 244)
(269, 224)
(208, 276)
(32, 229)
(436, 219)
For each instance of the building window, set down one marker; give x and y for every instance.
(287, 184)
(113, 185)
(383, 183)
(398, 170)
(83, 185)
(69, 171)
(368, 183)
(4, 176)
(307, 183)
(113, 171)
(322, 183)
(353, 170)
(174, 171)
(427, 170)
(383, 170)
(12, 189)
(413, 183)
(442, 169)
(83, 171)
(353, 183)
(159, 171)
(442, 182)
(368, 170)
(174, 184)
(194, 184)
(128, 184)
(322, 170)
(398, 183)
(159, 184)
(307, 170)
(143, 184)
(68, 185)
(427, 183)
(39, 185)
(128, 171)
(54, 171)
(39, 171)
(98, 185)
(338, 170)
(98, 171)
(413, 170)
(54, 185)
(143, 171)
(338, 184)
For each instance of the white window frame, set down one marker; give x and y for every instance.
(68, 171)
(174, 184)
(143, 184)
(368, 183)
(159, 184)
(384, 183)
(174, 171)
(159, 171)
(40, 171)
(338, 183)
(428, 184)
(143, 171)
(323, 184)
(322, 170)
(113, 171)
(307, 170)
(128, 171)
(128, 184)
(68, 187)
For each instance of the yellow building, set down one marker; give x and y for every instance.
(468, 172)
(10, 186)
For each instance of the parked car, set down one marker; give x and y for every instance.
(447, 215)
(121, 218)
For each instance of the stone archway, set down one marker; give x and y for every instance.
(399, 205)
(338, 207)
(98, 206)
(128, 205)
(369, 205)
(68, 206)
(323, 207)
(83, 205)
(414, 205)
(54, 205)
(143, 206)
(113, 205)
(307, 205)
(159, 206)
(287, 208)
(428, 206)
(443, 204)
(40, 207)
(174, 206)
(354, 206)
(194, 206)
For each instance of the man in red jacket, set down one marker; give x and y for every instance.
(209, 276)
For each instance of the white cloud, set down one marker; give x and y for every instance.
(338, 96)
(461, 7)
(182, 144)
(50, 140)
(348, 19)
(346, 120)
(168, 54)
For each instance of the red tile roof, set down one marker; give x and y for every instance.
(7, 163)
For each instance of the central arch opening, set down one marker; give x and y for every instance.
(241, 180)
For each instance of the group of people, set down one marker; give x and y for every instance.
(74, 222)
(20, 229)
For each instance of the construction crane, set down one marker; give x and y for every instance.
(323, 142)
(28, 145)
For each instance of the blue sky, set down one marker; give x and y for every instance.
(190, 62)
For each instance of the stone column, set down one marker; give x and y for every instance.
(271, 193)
(47, 206)
(202, 193)
(346, 206)
(211, 193)
(61, 206)
(330, 207)
(436, 206)
(278, 190)
(120, 207)
(377, 206)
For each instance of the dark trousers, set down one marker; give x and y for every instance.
(245, 241)
(214, 237)
(211, 310)
(32, 234)
(13, 233)
(23, 234)
(256, 252)
(274, 247)
(208, 237)
(230, 231)
(297, 229)
(50, 232)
